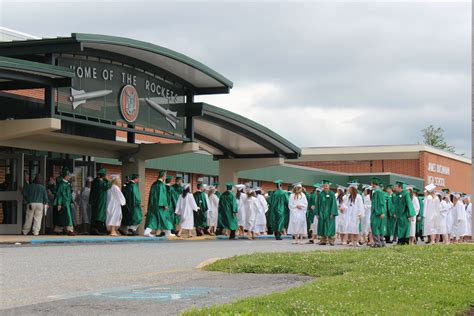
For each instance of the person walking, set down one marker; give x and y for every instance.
(98, 201)
(185, 208)
(62, 202)
(132, 211)
(297, 205)
(115, 201)
(37, 201)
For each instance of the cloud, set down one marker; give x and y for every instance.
(346, 73)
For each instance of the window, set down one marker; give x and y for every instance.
(208, 180)
(186, 177)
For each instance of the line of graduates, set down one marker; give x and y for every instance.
(374, 216)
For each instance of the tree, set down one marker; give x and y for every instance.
(435, 137)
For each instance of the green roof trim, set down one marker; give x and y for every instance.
(239, 118)
(40, 68)
(128, 42)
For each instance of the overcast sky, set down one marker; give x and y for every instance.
(319, 73)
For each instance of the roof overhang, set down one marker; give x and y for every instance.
(227, 135)
(192, 73)
(22, 74)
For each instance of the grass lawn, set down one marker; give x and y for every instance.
(400, 280)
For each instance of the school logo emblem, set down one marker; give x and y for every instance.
(129, 103)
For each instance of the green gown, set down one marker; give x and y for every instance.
(178, 190)
(391, 220)
(157, 216)
(227, 211)
(379, 207)
(326, 205)
(419, 223)
(404, 210)
(132, 214)
(278, 208)
(98, 199)
(63, 198)
(287, 211)
(200, 217)
(310, 212)
(173, 199)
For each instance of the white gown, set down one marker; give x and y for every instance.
(240, 210)
(184, 208)
(261, 222)
(115, 201)
(212, 210)
(432, 216)
(443, 222)
(459, 220)
(469, 219)
(297, 223)
(449, 218)
(250, 208)
(368, 210)
(340, 218)
(416, 206)
(354, 213)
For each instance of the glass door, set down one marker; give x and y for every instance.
(11, 200)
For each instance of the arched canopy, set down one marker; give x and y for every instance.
(187, 71)
(225, 135)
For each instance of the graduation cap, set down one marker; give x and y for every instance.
(340, 187)
(178, 177)
(89, 179)
(389, 186)
(456, 194)
(134, 176)
(216, 184)
(317, 185)
(326, 182)
(297, 185)
(229, 185)
(446, 190)
(430, 187)
(366, 186)
(240, 187)
(353, 185)
(401, 184)
(199, 185)
(376, 180)
(65, 171)
(186, 186)
(102, 172)
(415, 189)
(161, 173)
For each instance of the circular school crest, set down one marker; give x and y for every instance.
(129, 103)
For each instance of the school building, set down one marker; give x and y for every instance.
(89, 101)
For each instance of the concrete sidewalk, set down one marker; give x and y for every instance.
(60, 239)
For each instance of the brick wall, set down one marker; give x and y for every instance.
(459, 178)
(409, 167)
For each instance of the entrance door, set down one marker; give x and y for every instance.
(11, 200)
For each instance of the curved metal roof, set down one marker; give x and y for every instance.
(225, 134)
(201, 77)
(15, 73)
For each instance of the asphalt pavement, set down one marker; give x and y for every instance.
(123, 278)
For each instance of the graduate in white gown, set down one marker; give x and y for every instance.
(212, 210)
(340, 218)
(261, 223)
(459, 218)
(185, 206)
(365, 225)
(115, 201)
(432, 214)
(251, 209)
(468, 207)
(240, 196)
(297, 204)
(354, 213)
(444, 212)
(416, 206)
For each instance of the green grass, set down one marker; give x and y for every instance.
(407, 280)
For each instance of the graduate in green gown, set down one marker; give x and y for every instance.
(278, 208)
(326, 212)
(420, 218)
(311, 213)
(132, 211)
(404, 210)
(227, 210)
(391, 219)
(173, 199)
(158, 215)
(216, 185)
(378, 213)
(178, 190)
(200, 217)
(98, 201)
(62, 216)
